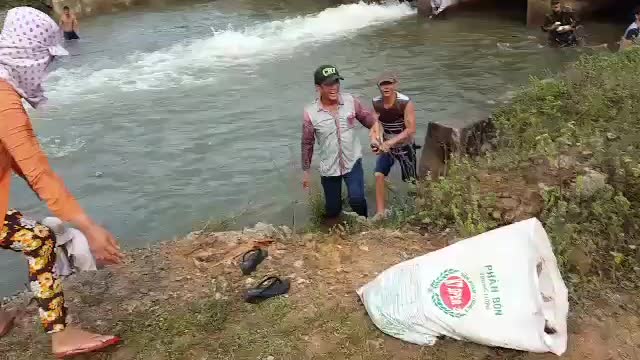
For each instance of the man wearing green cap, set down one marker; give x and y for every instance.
(331, 121)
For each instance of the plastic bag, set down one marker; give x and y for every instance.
(501, 288)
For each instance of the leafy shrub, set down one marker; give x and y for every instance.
(591, 115)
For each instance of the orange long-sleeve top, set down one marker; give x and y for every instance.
(21, 153)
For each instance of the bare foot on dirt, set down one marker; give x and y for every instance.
(76, 341)
(7, 319)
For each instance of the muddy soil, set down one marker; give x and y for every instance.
(183, 300)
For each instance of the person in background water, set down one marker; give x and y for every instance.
(392, 137)
(331, 120)
(29, 42)
(630, 37)
(69, 24)
(561, 26)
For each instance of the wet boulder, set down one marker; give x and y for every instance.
(461, 137)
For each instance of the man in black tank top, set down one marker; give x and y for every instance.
(392, 137)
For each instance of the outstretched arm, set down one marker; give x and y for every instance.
(364, 115)
(375, 134)
(549, 24)
(308, 140)
(30, 162)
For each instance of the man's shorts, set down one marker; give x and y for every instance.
(405, 156)
(71, 35)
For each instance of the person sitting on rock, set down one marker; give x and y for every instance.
(561, 26)
(630, 37)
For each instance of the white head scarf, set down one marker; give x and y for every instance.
(28, 43)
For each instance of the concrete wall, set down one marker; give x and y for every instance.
(537, 9)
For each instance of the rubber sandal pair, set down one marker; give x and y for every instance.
(270, 287)
(113, 340)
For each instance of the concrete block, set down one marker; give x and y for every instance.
(442, 140)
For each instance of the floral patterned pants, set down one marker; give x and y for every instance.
(37, 243)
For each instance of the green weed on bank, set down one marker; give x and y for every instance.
(587, 120)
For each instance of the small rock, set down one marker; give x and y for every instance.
(566, 162)
(249, 281)
(217, 296)
(269, 358)
(496, 215)
(99, 174)
(261, 228)
(302, 281)
(359, 219)
(193, 235)
(363, 248)
(510, 216)
(612, 136)
(507, 203)
(591, 182)
(286, 230)
(298, 264)
(375, 343)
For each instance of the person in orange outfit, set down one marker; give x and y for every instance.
(29, 42)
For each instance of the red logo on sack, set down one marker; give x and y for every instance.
(455, 293)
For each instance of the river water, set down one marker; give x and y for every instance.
(164, 118)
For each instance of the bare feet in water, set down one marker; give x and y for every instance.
(74, 341)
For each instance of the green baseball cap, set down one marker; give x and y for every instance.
(326, 74)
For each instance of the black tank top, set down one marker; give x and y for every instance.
(392, 119)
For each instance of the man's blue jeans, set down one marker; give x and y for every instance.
(332, 186)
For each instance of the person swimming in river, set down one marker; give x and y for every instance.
(69, 24)
(561, 25)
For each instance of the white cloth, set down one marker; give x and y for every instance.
(29, 41)
(72, 248)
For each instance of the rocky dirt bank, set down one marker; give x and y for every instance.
(183, 300)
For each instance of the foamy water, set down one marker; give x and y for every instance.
(201, 61)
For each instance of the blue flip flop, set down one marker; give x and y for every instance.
(270, 287)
